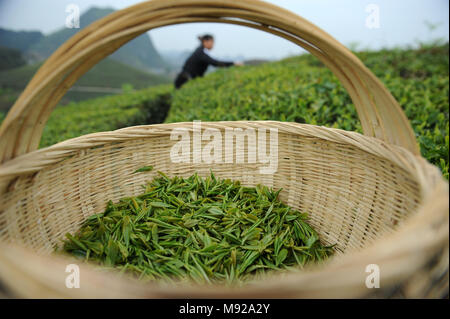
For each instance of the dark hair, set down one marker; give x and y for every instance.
(205, 37)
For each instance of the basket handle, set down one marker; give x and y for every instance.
(20, 133)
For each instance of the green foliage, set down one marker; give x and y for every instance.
(108, 113)
(108, 74)
(127, 88)
(301, 89)
(205, 229)
(419, 81)
(7, 98)
(139, 53)
(10, 58)
(19, 40)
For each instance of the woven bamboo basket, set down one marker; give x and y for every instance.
(372, 195)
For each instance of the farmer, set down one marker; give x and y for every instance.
(199, 61)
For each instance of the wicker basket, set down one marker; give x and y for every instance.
(372, 194)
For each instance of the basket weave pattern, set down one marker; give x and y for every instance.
(372, 195)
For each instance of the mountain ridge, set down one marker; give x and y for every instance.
(108, 73)
(19, 40)
(139, 53)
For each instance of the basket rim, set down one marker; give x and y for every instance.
(39, 159)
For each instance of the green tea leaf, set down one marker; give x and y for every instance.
(144, 169)
(202, 229)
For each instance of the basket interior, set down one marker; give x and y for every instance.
(352, 197)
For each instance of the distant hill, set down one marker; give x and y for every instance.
(138, 53)
(255, 61)
(176, 58)
(10, 58)
(108, 74)
(137, 63)
(19, 40)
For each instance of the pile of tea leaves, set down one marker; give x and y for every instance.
(202, 229)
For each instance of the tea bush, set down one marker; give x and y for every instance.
(146, 106)
(301, 89)
(298, 89)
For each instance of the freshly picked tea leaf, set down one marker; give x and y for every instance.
(144, 169)
(201, 229)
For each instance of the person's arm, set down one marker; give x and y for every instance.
(206, 58)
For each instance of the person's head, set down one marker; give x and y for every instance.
(207, 41)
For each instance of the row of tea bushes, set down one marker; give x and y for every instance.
(303, 90)
(299, 89)
(146, 106)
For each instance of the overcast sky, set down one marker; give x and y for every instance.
(402, 22)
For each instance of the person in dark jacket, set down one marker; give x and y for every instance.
(199, 61)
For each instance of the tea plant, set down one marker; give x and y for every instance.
(301, 89)
(107, 113)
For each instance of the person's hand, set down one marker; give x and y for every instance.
(238, 63)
